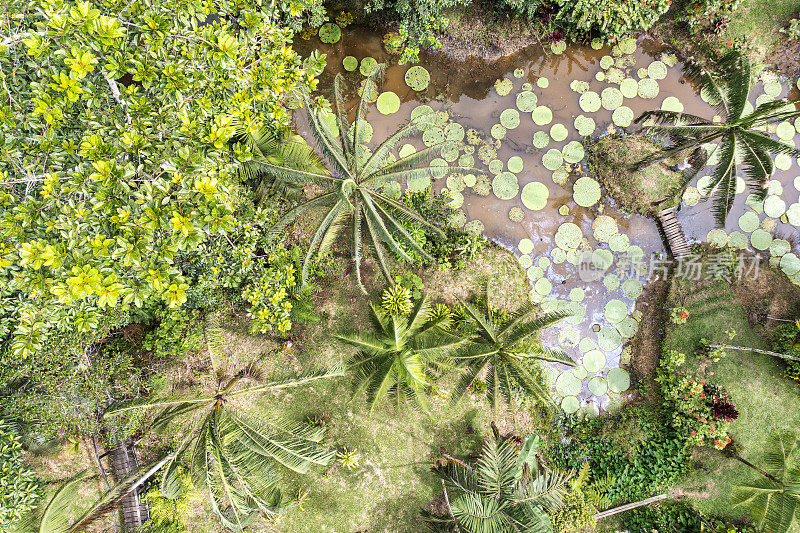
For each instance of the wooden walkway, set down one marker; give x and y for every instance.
(676, 239)
(124, 463)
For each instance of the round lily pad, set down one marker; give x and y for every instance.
(671, 103)
(540, 139)
(552, 159)
(518, 72)
(433, 136)
(567, 384)
(618, 379)
(628, 327)
(368, 64)
(785, 131)
(577, 295)
(474, 226)
(774, 207)
(590, 102)
(563, 210)
(615, 310)
(606, 62)
(622, 116)
(558, 256)
(388, 103)
(773, 88)
(790, 264)
(350, 63)
(525, 246)
(560, 176)
(573, 152)
(585, 125)
(586, 191)
(503, 86)
(558, 132)
(515, 214)
(558, 47)
(406, 150)
(627, 45)
(543, 286)
(470, 180)
(570, 404)
(534, 195)
(748, 222)
(526, 101)
(604, 227)
(423, 114)
(542, 115)
(793, 214)
(691, 196)
(330, 33)
(602, 259)
(611, 98)
(597, 43)
(505, 185)
(648, 88)
(525, 261)
(568, 236)
(543, 83)
(609, 339)
(594, 360)
(534, 273)
(629, 88)
(783, 161)
(495, 166)
(760, 239)
(619, 242)
(418, 78)
(657, 70)
(779, 247)
(632, 288)
(611, 282)
(498, 131)
(454, 132)
(509, 118)
(597, 386)
(515, 164)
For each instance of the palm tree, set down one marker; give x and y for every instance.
(231, 453)
(353, 194)
(502, 345)
(775, 499)
(505, 491)
(737, 136)
(398, 358)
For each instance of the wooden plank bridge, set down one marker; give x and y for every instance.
(676, 239)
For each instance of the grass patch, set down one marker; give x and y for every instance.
(757, 22)
(643, 192)
(765, 398)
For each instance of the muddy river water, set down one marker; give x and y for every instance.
(590, 260)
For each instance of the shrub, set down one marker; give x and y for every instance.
(787, 340)
(678, 315)
(20, 489)
(396, 300)
(706, 15)
(170, 515)
(418, 21)
(609, 20)
(177, 332)
(577, 511)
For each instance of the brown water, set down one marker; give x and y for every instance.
(465, 90)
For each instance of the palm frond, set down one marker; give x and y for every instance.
(723, 180)
(288, 217)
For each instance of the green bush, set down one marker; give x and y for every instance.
(170, 515)
(609, 20)
(706, 15)
(787, 340)
(676, 516)
(20, 489)
(177, 332)
(418, 21)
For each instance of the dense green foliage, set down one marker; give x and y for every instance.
(20, 489)
(170, 515)
(610, 20)
(418, 20)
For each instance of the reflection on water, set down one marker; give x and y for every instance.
(465, 91)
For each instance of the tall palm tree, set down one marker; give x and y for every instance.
(737, 136)
(352, 187)
(505, 491)
(232, 454)
(397, 359)
(501, 346)
(775, 499)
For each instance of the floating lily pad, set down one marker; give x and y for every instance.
(611, 98)
(717, 237)
(534, 195)
(495, 166)
(560, 176)
(406, 150)
(388, 103)
(590, 102)
(609, 339)
(456, 199)
(570, 404)
(525, 246)
(505, 186)
(543, 287)
(774, 207)
(632, 288)
(568, 385)
(542, 115)
(470, 180)
(509, 118)
(619, 242)
(368, 64)
(535, 273)
(594, 360)
(600, 76)
(691, 196)
(563, 210)
(558, 47)
(760, 239)
(543, 83)
(785, 131)
(790, 264)
(579, 86)
(597, 386)
(418, 78)
(526, 101)
(423, 114)
(558, 256)
(614, 75)
(606, 62)
(783, 161)
(618, 380)
(568, 236)
(671, 103)
(615, 310)
(737, 240)
(515, 164)
(773, 88)
(622, 116)
(540, 139)
(602, 259)
(577, 295)
(503, 86)
(498, 131)
(604, 227)
(748, 222)
(474, 226)
(552, 159)
(518, 72)
(793, 214)
(330, 33)
(586, 191)
(585, 125)
(628, 327)
(611, 282)
(629, 88)
(418, 183)
(515, 214)
(573, 152)
(657, 70)
(350, 63)
(433, 136)
(648, 88)
(558, 132)
(525, 261)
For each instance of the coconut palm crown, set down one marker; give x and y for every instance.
(501, 346)
(739, 136)
(352, 188)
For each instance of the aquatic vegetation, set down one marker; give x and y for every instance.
(418, 78)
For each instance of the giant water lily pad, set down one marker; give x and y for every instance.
(505, 185)
(474, 226)
(586, 191)
(632, 288)
(433, 136)
(604, 227)
(622, 116)
(619, 242)
(558, 132)
(540, 139)
(525, 246)
(552, 159)
(648, 88)
(542, 115)
(585, 125)
(534, 195)
(774, 206)
(594, 360)
(330, 33)
(388, 103)
(573, 152)
(611, 98)
(568, 236)
(618, 379)
(748, 222)
(509, 118)
(609, 338)
(543, 83)
(628, 327)
(515, 164)
(570, 404)
(590, 102)
(526, 101)
(773, 88)
(543, 287)
(568, 385)
(368, 64)
(779, 247)
(790, 264)
(454, 132)
(611, 282)
(418, 78)
(657, 70)
(597, 386)
(671, 103)
(615, 311)
(629, 88)
(760, 239)
(495, 166)
(785, 131)
(503, 86)
(498, 131)
(350, 63)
